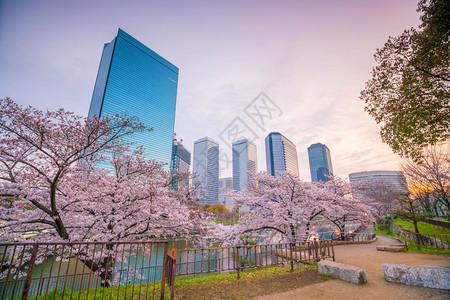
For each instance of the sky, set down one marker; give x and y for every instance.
(310, 59)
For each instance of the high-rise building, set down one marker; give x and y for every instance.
(134, 80)
(181, 162)
(281, 154)
(244, 160)
(385, 181)
(206, 170)
(320, 162)
(225, 186)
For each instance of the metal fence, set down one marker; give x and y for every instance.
(131, 269)
(222, 259)
(332, 235)
(438, 241)
(359, 237)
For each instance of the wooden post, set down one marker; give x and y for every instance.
(172, 283)
(27, 285)
(292, 261)
(320, 249)
(316, 253)
(238, 263)
(332, 250)
(163, 279)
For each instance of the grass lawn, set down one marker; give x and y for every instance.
(413, 248)
(423, 227)
(383, 231)
(252, 283)
(428, 229)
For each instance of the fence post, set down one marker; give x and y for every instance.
(238, 263)
(320, 250)
(172, 276)
(332, 249)
(27, 285)
(163, 279)
(316, 250)
(292, 261)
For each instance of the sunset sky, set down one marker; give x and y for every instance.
(311, 58)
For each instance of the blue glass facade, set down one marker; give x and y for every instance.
(206, 170)
(244, 160)
(281, 154)
(181, 162)
(320, 162)
(134, 80)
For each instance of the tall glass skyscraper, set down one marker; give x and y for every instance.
(206, 170)
(320, 162)
(181, 162)
(281, 154)
(225, 186)
(244, 159)
(134, 80)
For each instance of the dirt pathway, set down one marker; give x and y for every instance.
(366, 256)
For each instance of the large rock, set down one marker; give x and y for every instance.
(427, 276)
(391, 248)
(344, 272)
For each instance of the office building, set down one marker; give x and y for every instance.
(381, 181)
(206, 170)
(244, 160)
(281, 154)
(320, 162)
(181, 162)
(134, 80)
(225, 186)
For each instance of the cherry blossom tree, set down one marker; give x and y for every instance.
(382, 200)
(294, 208)
(39, 152)
(52, 188)
(342, 208)
(277, 203)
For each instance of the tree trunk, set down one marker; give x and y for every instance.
(342, 233)
(416, 230)
(104, 267)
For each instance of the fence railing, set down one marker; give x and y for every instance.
(359, 237)
(32, 269)
(131, 270)
(220, 259)
(438, 241)
(332, 235)
(438, 223)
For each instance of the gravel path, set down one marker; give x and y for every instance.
(366, 256)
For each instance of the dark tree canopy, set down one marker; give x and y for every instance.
(410, 87)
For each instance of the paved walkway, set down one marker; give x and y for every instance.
(366, 256)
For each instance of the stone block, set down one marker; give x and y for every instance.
(343, 272)
(427, 276)
(391, 248)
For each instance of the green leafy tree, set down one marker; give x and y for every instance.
(410, 87)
